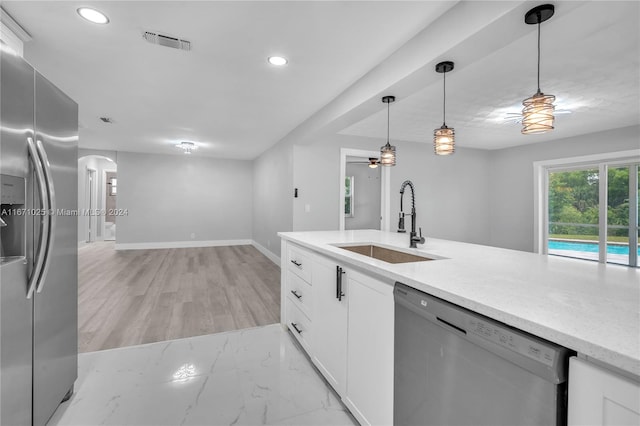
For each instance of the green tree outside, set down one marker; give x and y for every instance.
(574, 198)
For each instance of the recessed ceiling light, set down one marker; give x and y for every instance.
(277, 60)
(93, 15)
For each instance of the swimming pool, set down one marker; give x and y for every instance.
(588, 247)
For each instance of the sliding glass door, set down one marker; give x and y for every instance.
(593, 212)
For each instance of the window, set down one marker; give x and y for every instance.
(348, 196)
(113, 186)
(590, 210)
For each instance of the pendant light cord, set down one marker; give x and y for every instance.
(539, 19)
(388, 122)
(444, 98)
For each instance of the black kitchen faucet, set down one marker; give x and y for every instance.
(414, 239)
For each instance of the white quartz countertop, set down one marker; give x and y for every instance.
(586, 306)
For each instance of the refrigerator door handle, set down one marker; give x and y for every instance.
(44, 231)
(51, 216)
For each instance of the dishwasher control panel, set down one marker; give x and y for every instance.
(511, 340)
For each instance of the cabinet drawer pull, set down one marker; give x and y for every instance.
(295, 262)
(295, 326)
(339, 293)
(295, 293)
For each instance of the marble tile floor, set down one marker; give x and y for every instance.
(253, 376)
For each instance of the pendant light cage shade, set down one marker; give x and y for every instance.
(537, 114)
(444, 140)
(388, 155)
(388, 151)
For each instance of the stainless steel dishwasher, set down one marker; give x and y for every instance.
(456, 367)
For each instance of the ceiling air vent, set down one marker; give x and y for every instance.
(167, 41)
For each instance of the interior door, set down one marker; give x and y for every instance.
(111, 193)
(55, 316)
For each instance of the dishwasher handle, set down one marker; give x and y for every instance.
(448, 324)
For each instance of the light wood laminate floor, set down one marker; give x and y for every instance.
(130, 297)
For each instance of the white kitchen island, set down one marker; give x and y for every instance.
(590, 308)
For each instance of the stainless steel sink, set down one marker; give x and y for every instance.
(385, 254)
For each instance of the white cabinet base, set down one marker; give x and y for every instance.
(344, 321)
(600, 397)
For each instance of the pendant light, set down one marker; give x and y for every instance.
(388, 152)
(444, 138)
(537, 114)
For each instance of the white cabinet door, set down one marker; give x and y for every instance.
(329, 351)
(369, 393)
(600, 397)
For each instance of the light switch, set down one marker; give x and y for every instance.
(307, 208)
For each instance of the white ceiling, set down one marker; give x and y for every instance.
(224, 96)
(589, 60)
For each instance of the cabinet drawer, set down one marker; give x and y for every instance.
(299, 262)
(299, 291)
(299, 324)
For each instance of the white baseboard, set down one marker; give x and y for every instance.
(268, 253)
(181, 244)
(192, 244)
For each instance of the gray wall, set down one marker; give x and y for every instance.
(476, 196)
(452, 193)
(316, 174)
(169, 197)
(511, 180)
(366, 196)
(273, 195)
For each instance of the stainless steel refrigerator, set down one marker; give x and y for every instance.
(38, 239)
